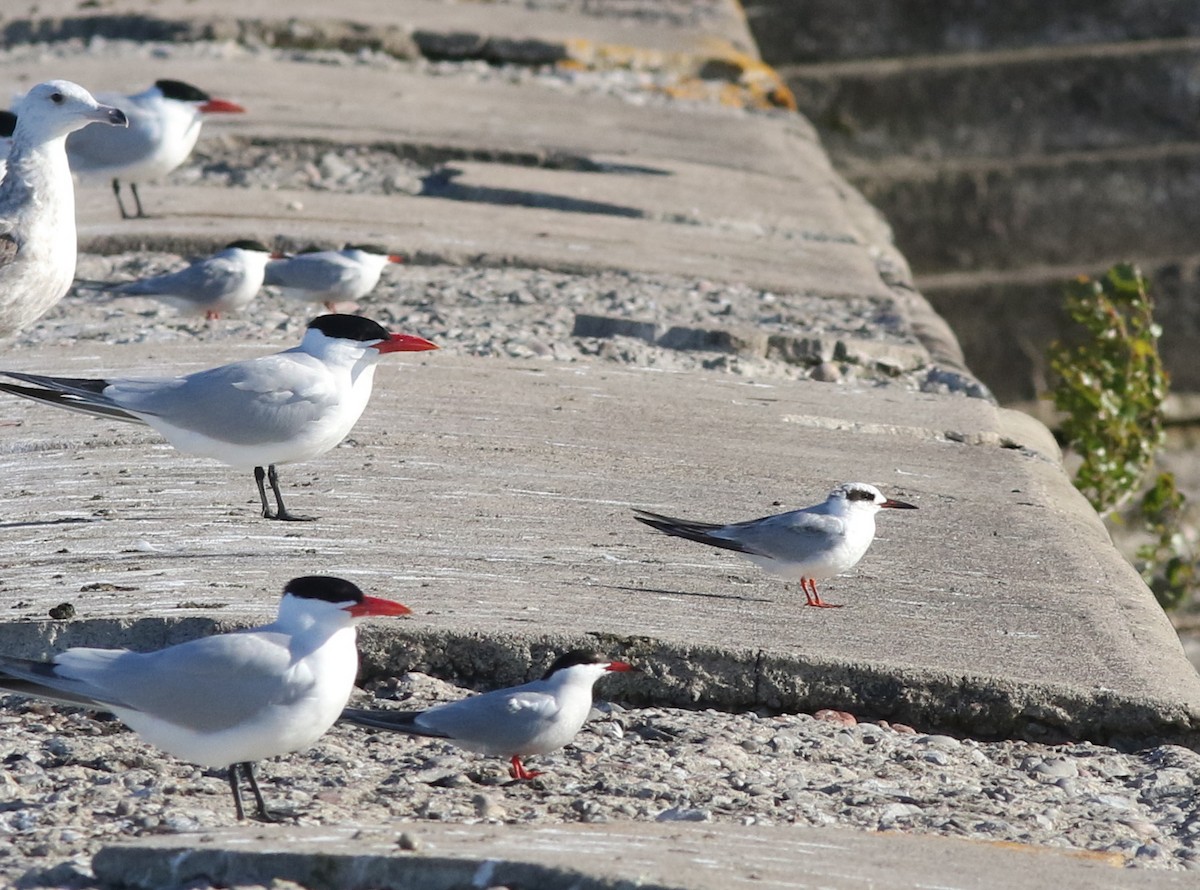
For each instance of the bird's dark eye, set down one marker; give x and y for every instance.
(57, 98)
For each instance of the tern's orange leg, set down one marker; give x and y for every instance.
(809, 586)
(518, 770)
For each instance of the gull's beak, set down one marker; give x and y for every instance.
(107, 114)
(897, 505)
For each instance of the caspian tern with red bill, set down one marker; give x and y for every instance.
(229, 699)
(254, 414)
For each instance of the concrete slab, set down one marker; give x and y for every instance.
(590, 857)
(494, 497)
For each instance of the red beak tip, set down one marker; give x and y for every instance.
(621, 666)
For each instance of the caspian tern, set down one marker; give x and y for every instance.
(275, 409)
(331, 277)
(37, 200)
(225, 282)
(535, 718)
(230, 699)
(164, 124)
(808, 545)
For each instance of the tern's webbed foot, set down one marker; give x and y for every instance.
(285, 516)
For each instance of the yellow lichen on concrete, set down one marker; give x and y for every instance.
(716, 72)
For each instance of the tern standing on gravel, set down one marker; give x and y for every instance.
(37, 200)
(336, 278)
(229, 699)
(276, 409)
(225, 282)
(807, 545)
(164, 124)
(535, 718)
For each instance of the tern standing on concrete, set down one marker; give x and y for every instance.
(37, 200)
(807, 545)
(164, 124)
(229, 699)
(337, 278)
(535, 718)
(225, 282)
(276, 409)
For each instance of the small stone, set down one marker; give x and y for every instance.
(407, 841)
(683, 814)
(842, 718)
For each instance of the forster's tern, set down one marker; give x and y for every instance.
(230, 699)
(331, 277)
(275, 409)
(535, 718)
(224, 282)
(37, 200)
(164, 123)
(808, 545)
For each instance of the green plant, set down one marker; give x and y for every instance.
(1111, 387)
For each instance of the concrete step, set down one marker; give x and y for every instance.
(826, 30)
(1025, 101)
(1079, 208)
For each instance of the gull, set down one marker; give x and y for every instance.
(164, 124)
(225, 282)
(37, 200)
(275, 409)
(534, 718)
(808, 545)
(330, 276)
(230, 699)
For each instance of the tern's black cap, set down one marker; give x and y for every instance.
(324, 587)
(349, 327)
(180, 91)
(573, 658)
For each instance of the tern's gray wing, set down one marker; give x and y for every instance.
(98, 149)
(267, 399)
(398, 721)
(310, 271)
(205, 685)
(502, 720)
(203, 282)
(794, 536)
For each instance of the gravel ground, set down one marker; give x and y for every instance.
(529, 314)
(74, 782)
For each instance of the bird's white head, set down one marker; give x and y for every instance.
(179, 91)
(55, 108)
(371, 252)
(859, 496)
(323, 598)
(581, 666)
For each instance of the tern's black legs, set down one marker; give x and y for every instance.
(282, 512)
(116, 187)
(247, 768)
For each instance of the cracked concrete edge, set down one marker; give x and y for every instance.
(678, 674)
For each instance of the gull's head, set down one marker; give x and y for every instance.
(861, 497)
(55, 108)
(352, 336)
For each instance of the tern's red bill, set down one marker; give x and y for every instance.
(221, 106)
(620, 666)
(376, 606)
(405, 343)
